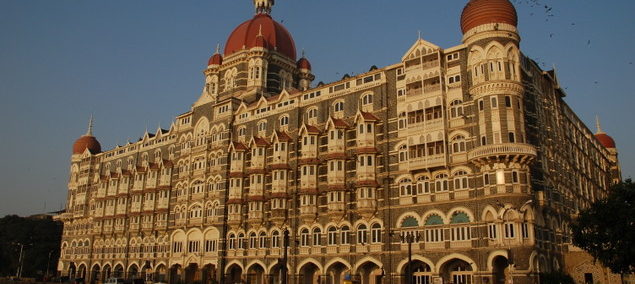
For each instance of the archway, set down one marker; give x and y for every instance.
(72, 271)
(160, 273)
(456, 271)
(275, 274)
(234, 274)
(256, 274)
(192, 273)
(421, 273)
(369, 273)
(95, 274)
(336, 273)
(309, 273)
(107, 272)
(118, 271)
(208, 274)
(176, 274)
(81, 271)
(133, 272)
(146, 272)
(500, 269)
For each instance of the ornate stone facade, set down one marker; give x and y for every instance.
(469, 152)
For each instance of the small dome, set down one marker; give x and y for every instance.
(480, 12)
(216, 59)
(605, 140)
(274, 34)
(86, 142)
(304, 63)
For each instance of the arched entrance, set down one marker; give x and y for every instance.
(309, 273)
(421, 273)
(160, 273)
(208, 274)
(176, 274)
(95, 274)
(234, 274)
(275, 275)
(192, 273)
(146, 272)
(336, 272)
(133, 272)
(81, 271)
(369, 273)
(457, 271)
(500, 270)
(256, 274)
(107, 272)
(118, 271)
(72, 271)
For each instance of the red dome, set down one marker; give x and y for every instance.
(480, 12)
(304, 63)
(275, 35)
(86, 142)
(216, 59)
(605, 140)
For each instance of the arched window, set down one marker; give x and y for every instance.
(252, 240)
(375, 233)
(304, 237)
(284, 121)
(403, 120)
(241, 241)
(332, 236)
(458, 144)
(317, 233)
(460, 180)
(232, 241)
(405, 187)
(338, 106)
(344, 235)
(441, 183)
(275, 239)
(423, 185)
(460, 232)
(362, 234)
(403, 153)
(367, 99)
(312, 113)
(456, 109)
(262, 240)
(262, 126)
(434, 228)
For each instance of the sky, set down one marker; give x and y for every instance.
(135, 65)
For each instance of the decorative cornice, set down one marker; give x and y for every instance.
(496, 87)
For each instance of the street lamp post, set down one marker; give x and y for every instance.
(410, 237)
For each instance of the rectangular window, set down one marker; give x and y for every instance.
(508, 101)
(494, 102)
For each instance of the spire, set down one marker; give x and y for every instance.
(260, 30)
(303, 54)
(263, 6)
(597, 125)
(217, 49)
(89, 132)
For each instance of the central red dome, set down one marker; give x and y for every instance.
(276, 36)
(480, 12)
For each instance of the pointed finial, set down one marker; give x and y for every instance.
(217, 48)
(260, 31)
(303, 53)
(597, 125)
(89, 132)
(419, 34)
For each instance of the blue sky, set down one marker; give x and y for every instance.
(139, 63)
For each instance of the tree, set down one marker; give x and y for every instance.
(606, 230)
(40, 236)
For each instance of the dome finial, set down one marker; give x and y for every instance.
(263, 6)
(597, 125)
(89, 132)
(217, 48)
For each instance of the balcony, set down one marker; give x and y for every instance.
(427, 162)
(506, 151)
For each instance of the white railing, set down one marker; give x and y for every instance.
(502, 149)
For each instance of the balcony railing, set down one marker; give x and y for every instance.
(506, 149)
